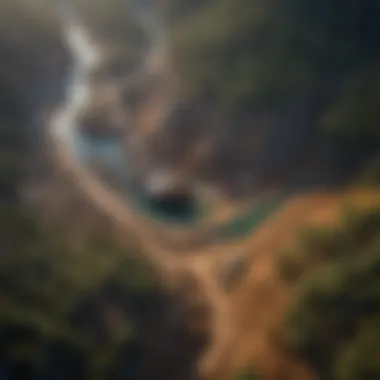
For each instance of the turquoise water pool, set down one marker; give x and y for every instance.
(111, 155)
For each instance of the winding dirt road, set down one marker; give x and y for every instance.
(172, 265)
(242, 321)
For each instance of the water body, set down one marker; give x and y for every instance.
(106, 156)
(109, 153)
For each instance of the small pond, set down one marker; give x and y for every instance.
(107, 158)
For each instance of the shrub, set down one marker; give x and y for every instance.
(248, 374)
(337, 301)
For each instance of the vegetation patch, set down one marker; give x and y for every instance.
(335, 312)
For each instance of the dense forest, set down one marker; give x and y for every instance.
(113, 23)
(259, 53)
(77, 312)
(66, 311)
(333, 323)
(308, 71)
(249, 57)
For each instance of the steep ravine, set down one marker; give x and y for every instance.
(104, 199)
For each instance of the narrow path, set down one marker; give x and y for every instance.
(170, 262)
(107, 201)
(204, 262)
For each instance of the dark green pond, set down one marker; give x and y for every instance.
(109, 155)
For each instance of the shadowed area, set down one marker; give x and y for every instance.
(178, 206)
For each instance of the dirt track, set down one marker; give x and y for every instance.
(172, 264)
(243, 320)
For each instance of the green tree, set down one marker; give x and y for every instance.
(337, 306)
(113, 23)
(247, 53)
(65, 312)
(355, 113)
(248, 374)
(361, 358)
